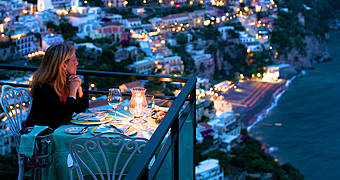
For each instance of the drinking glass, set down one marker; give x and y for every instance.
(150, 100)
(114, 99)
(138, 104)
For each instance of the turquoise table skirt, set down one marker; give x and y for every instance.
(61, 142)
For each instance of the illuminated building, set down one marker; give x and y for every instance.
(209, 169)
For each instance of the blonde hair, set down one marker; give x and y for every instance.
(51, 68)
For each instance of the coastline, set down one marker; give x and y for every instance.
(270, 104)
(252, 116)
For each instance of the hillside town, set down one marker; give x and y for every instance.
(226, 44)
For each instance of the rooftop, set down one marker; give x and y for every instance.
(207, 165)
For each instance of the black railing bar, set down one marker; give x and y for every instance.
(194, 124)
(184, 116)
(175, 150)
(144, 158)
(15, 84)
(129, 94)
(95, 91)
(106, 74)
(160, 158)
(19, 68)
(169, 142)
(132, 76)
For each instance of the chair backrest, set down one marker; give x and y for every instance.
(16, 103)
(105, 155)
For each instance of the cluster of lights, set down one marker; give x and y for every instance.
(224, 89)
(257, 36)
(2, 29)
(63, 11)
(18, 36)
(37, 53)
(7, 19)
(200, 94)
(217, 2)
(176, 27)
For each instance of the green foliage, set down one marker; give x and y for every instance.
(248, 157)
(292, 172)
(288, 33)
(35, 61)
(95, 3)
(7, 44)
(125, 12)
(52, 27)
(9, 163)
(181, 38)
(209, 33)
(189, 65)
(67, 30)
(162, 12)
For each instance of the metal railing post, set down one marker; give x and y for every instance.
(193, 114)
(86, 90)
(175, 137)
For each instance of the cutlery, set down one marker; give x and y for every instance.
(126, 130)
(119, 130)
(83, 130)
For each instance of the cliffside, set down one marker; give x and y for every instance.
(315, 51)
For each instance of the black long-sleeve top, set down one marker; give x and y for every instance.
(48, 110)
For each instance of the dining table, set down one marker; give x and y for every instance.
(58, 169)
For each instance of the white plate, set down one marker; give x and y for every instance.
(107, 119)
(75, 130)
(127, 131)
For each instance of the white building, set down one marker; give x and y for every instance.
(133, 23)
(224, 31)
(145, 66)
(171, 64)
(115, 17)
(90, 46)
(25, 43)
(6, 141)
(273, 72)
(250, 42)
(209, 169)
(114, 3)
(48, 15)
(49, 40)
(85, 24)
(155, 21)
(31, 22)
(87, 10)
(227, 126)
(43, 5)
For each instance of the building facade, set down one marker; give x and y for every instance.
(209, 169)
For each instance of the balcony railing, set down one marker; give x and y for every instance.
(178, 124)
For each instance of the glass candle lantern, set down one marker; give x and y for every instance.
(138, 104)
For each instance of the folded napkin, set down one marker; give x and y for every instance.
(27, 141)
(107, 128)
(90, 117)
(159, 108)
(104, 108)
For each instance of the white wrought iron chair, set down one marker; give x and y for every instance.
(95, 156)
(16, 103)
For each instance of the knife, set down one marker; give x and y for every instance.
(83, 130)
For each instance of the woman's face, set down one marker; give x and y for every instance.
(71, 65)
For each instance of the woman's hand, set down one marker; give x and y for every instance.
(75, 83)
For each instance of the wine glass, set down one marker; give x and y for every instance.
(114, 99)
(150, 100)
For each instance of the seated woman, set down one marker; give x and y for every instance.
(56, 89)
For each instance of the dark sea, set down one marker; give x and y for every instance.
(309, 111)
